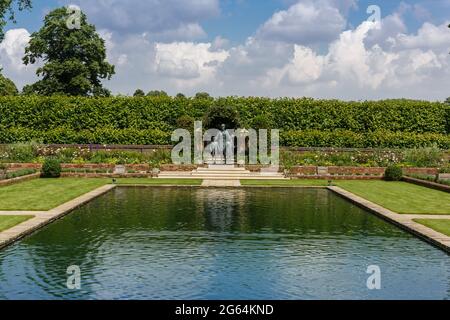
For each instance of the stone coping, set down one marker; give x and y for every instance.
(404, 221)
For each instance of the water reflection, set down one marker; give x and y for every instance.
(184, 243)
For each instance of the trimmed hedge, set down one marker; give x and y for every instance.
(150, 120)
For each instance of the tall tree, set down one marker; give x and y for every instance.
(74, 57)
(139, 93)
(7, 87)
(7, 12)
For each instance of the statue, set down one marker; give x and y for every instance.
(226, 143)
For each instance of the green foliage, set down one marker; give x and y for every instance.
(393, 173)
(7, 12)
(75, 59)
(7, 87)
(19, 173)
(425, 157)
(218, 115)
(202, 95)
(157, 93)
(180, 96)
(151, 120)
(139, 93)
(51, 168)
(186, 122)
(20, 152)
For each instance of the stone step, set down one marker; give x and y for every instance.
(221, 172)
(212, 167)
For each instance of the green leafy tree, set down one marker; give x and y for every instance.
(7, 87)
(447, 101)
(202, 95)
(75, 58)
(157, 93)
(139, 93)
(180, 96)
(7, 12)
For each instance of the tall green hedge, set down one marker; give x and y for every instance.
(150, 120)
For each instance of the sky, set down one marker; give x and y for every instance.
(274, 48)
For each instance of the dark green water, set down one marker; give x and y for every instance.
(153, 243)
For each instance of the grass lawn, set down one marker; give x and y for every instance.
(45, 194)
(442, 226)
(7, 222)
(400, 197)
(145, 181)
(293, 182)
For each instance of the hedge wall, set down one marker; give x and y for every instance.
(150, 120)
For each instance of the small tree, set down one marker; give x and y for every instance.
(180, 96)
(202, 95)
(157, 93)
(7, 87)
(74, 58)
(139, 93)
(447, 101)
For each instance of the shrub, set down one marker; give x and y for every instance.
(151, 120)
(51, 168)
(393, 173)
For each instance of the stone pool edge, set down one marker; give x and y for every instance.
(402, 221)
(43, 218)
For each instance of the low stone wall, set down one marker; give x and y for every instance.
(372, 171)
(105, 175)
(353, 171)
(294, 171)
(426, 171)
(176, 167)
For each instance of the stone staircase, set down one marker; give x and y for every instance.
(221, 172)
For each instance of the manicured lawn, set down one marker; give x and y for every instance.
(442, 226)
(45, 194)
(400, 197)
(7, 222)
(145, 181)
(294, 182)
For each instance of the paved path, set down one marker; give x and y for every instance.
(42, 218)
(404, 221)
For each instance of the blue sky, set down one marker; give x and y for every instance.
(239, 19)
(317, 48)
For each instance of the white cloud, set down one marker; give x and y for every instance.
(161, 20)
(352, 70)
(12, 49)
(428, 36)
(187, 62)
(306, 22)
